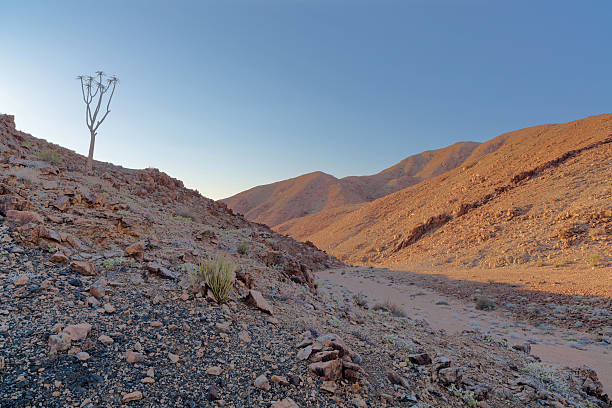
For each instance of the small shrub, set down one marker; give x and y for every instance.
(113, 262)
(390, 307)
(219, 275)
(243, 247)
(188, 214)
(594, 260)
(360, 300)
(49, 155)
(485, 303)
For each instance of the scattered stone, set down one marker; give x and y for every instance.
(420, 359)
(132, 396)
(78, 331)
(59, 258)
(134, 357)
(59, 342)
(329, 386)
(262, 382)
(108, 308)
(21, 280)
(280, 380)
(173, 357)
(329, 370)
(214, 370)
(285, 403)
(212, 393)
(255, 299)
(83, 268)
(304, 353)
(106, 340)
(98, 288)
(82, 356)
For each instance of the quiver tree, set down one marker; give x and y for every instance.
(94, 89)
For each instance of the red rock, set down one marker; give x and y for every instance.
(62, 203)
(98, 289)
(48, 233)
(59, 258)
(59, 342)
(255, 299)
(329, 370)
(132, 396)
(21, 280)
(285, 403)
(280, 380)
(136, 250)
(134, 357)
(18, 218)
(77, 331)
(83, 268)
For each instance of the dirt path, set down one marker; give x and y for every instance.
(554, 345)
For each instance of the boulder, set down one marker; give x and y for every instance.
(136, 250)
(255, 299)
(83, 268)
(329, 370)
(77, 331)
(18, 218)
(59, 342)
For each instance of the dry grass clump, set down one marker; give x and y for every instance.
(390, 307)
(49, 155)
(243, 248)
(360, 300)
(188, 213)
(218, 274)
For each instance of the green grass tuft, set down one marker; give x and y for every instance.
(218, 274)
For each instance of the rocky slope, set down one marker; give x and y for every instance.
(49, 199)
(277, 203)
(96, 309)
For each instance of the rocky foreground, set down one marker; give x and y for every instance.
(96, 309)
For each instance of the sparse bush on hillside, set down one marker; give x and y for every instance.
(188, 213)
(49, 155)
(360, 300)
(243, 247)
(485, 303)
(390, 307)
(114, 262)
(218, 274)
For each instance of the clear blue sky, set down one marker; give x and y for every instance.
(226, 95)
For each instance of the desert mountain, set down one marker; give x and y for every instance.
(101, 305)
(540, 195)
(276, 203)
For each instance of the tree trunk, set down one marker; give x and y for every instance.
(91, 150)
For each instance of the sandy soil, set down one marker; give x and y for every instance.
(553, 344)
(566, 280)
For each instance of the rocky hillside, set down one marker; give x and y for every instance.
(277, 203)
(96, 309)
(49, 199)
